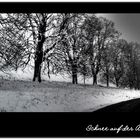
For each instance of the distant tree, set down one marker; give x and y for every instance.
(106, 63)
(132, 54)
(99, 31)
(84, 67)
(68, 50)
(118, 60)
(92, 27)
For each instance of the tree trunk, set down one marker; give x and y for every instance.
(74, 78)
(84, 79)
(137, 76)
(94, 75)
(130, 83)
(107, 78)
(95, 79)
(39, 50)
(117, 82)
(74, 74)
(38, 61)
(37, 69)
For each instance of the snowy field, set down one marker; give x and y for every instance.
(51, 96)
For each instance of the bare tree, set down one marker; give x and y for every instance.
(14, 46)
(132, 56)
(40, 32)
(70, 46)
(45, 37)
(99, 31)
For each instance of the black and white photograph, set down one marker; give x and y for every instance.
(64, 64)
(69, 62)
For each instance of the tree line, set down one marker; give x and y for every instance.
(78, 44)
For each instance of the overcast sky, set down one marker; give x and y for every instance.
(127, 24)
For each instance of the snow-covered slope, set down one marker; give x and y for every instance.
(51, 96)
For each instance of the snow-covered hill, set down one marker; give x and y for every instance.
(51, 96)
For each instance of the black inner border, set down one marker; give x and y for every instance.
(85, 7)
(66, 124)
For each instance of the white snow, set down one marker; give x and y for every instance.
(51, 96)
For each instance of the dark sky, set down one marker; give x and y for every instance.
(127, 24)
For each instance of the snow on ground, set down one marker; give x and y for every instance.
(52, 96)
